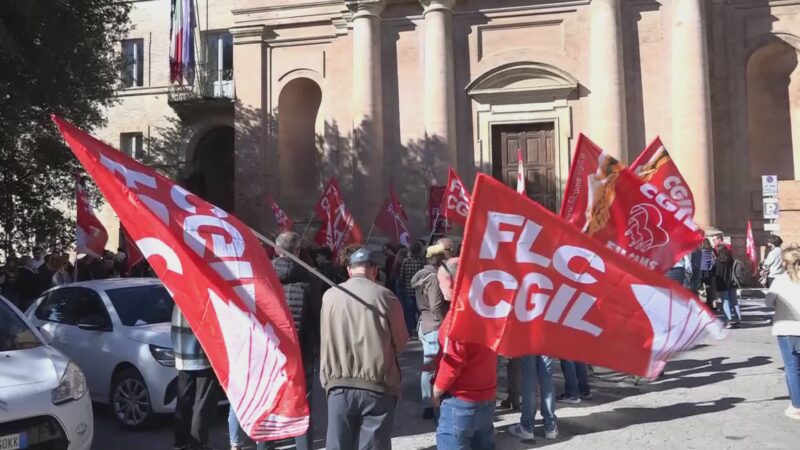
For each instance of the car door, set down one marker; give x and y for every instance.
(91, 340)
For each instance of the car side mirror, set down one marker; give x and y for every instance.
(92, 323)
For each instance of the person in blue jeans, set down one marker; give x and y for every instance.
(536, 370)
(576, 382)
(432, 307)
(784, 296)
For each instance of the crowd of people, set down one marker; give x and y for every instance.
(355, 335)
(24, 278)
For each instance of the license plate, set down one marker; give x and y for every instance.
(14, 442)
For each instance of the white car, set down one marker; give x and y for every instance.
(43, 401)
(118, 332)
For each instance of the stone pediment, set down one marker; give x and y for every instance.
(522, 82)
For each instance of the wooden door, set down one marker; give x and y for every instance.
(536, 141)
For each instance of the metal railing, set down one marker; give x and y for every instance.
(208, 84)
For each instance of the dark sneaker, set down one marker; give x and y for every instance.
(564, 398)
(587, 396)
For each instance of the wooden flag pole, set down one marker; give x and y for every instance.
(433, 229)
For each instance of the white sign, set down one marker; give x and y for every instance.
(769, 185)
(771, 210)
(771, 227)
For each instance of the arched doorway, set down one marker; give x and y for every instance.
(214, 160)
(773, 105)
(299, 160)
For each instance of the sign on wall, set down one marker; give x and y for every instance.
(769, 185)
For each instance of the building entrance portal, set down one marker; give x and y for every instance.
(536, 140)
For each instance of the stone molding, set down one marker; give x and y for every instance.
(366, 8)
(437, 5)
(253, 34)
(492, 86)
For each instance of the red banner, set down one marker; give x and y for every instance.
(220, 278)
(456, 200)
(339, 228)
(530, 284)
(655, 166)
(393, 221)
(610, 203)
(280, 216)
(90, 234)
(132, 254)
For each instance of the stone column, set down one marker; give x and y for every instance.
(251, 125)
(691, 145)
(367, 106)
(440, 109)
(607, 93)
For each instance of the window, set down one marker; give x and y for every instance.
(89, 308)
(219, 51)
(14, 332)
(133, 63)
(71, 306)
(142, 305)
(58, 307)
(219, 64)
(132, 144)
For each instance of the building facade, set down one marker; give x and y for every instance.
(393, 92)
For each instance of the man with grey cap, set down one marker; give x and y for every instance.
(362, 331)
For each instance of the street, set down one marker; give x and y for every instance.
(728, 395)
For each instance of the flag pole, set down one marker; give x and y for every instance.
(370, 231)
(433, 229)
(308, 224)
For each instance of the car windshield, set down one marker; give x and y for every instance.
(142, 305)
(14, 332)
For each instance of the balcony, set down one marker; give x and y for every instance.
(212, 89)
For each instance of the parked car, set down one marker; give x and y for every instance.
(118, 332)
(43, 401)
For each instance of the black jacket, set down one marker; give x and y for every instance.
(304, 297)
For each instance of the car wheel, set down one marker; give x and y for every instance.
(130, 401)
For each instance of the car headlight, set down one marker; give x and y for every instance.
(163, 355)
(71, 387)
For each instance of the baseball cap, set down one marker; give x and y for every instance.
(364, 255)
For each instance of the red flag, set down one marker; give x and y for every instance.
(529, 284)
(393, 221)
(610, 203)
(90, 234)
(752, 256)
(655, 166)
(520, 173)
(132, 254)
(340, 228)
(220, 278)
(456, 200)
(280, 216)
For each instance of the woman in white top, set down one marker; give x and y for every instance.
(773, 263)
(784, 296)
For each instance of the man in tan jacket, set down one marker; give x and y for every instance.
(361, 335)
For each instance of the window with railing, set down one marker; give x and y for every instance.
(219, 63)
(132, 63)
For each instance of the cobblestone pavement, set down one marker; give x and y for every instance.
(718, 396)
